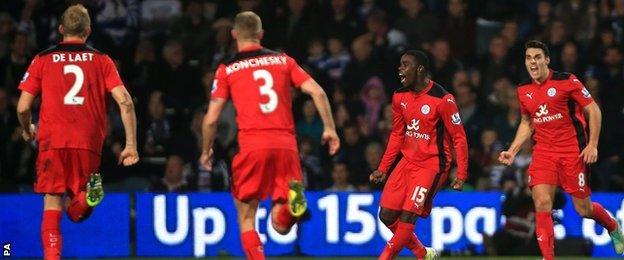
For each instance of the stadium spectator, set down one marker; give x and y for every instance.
(338, 58)
(340, 20)
(352, 154)
(192, 28)
(417, 23)
(373, 97)
(14, 64)
(459, 29)
(340, 178)
(178, 80)
(175, 175)
(361, 68)
(311, 126)
(443, 65)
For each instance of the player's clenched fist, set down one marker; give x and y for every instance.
(206, 159)
(129, 156)
(331, 137)
(29, 135)
(506, 158)
(377, 177)
(457, 184)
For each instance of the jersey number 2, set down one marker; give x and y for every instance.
(70, 97)
(267, 90)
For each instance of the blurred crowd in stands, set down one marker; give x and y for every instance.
(167, 52)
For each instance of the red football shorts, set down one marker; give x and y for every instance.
(411, 188)
(568, 172)
(65, 170)
(256, 174)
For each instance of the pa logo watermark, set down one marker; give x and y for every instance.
(6, 249)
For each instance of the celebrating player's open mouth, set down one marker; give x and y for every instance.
(407, 72)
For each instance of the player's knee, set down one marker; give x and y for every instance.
(282, 230)
(388, 217)
(584, 211)
(543, 203)
(77, 216)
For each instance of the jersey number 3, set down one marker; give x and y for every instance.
(70, 97)
(267, 90)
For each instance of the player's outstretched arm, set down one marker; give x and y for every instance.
(24, 115)
(395, 141)
(321, 102)
(129, 155)
(453, 124)
(590, 153)
(525, 129)
(209, 131)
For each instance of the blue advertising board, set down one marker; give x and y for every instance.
(105, 234)
(339, 224)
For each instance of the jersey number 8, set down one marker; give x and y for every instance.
(267, 90)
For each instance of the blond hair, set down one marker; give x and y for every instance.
(248, 25)
(76, 21)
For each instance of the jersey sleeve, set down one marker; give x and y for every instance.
(220, 87)
(451, 119)
(31, 82)
(579, 93)
(297, 74)
(523, 109)
(395, 140)
(111, 75)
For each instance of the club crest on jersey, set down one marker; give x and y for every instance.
(25, 77)
(585, 92)
(425, 109)
(551, 92)
(456, 119)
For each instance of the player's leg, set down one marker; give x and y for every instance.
(252, 246)
(390, 218)
(289, 201)
(51, 238)
(51, 183)
(391, 201)
(543, 181)
(543, 195)
(422, 185)
(594, 210)
(575, 176)
(249, 186)
(85, 183)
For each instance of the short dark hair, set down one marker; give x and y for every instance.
(420, 57)
(537, 45)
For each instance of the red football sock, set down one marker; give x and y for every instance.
(545, 234)
(51, 238)
(398, 241)
(601, 216)
(252, 245)
(284, 218)
(78, 209)
(413, 244)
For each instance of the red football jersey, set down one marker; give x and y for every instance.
(73, 80)
(555, 109)
(424, 126)
(259, 82)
